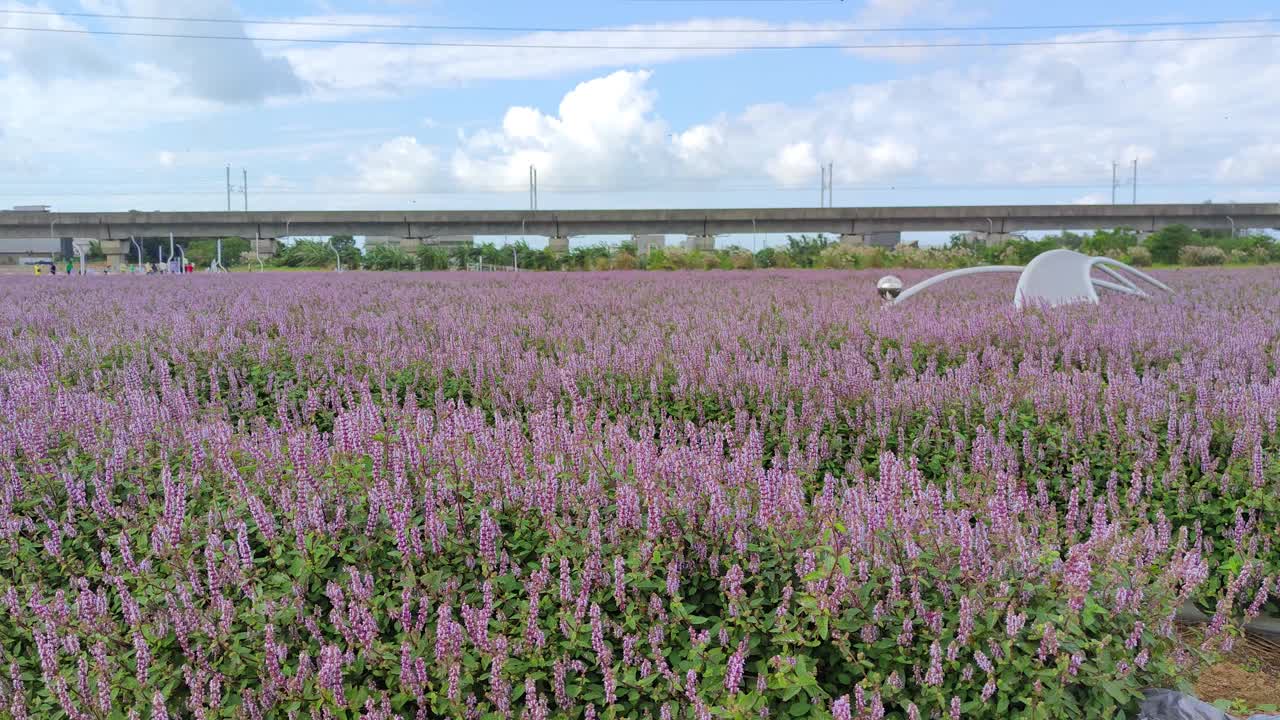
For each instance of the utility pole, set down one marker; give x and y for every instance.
(228, 188)
(1114, 168)
(827, 192)
(1135, 181)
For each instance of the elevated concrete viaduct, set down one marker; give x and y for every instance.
(116, 227)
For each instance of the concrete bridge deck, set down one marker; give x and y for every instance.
(697, 222)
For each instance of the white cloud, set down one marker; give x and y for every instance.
(1252, 164)
(71, 93)
(1054, 116)
(605, 132)
(88, 112)
(309, 27)
(1091, 199)
(394, 70)
(218, 70)
(793, 164)
(1037, 116)
(49, 55)
(398, 164)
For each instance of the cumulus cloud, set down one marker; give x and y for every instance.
(398, 164)
(608, 134)
(793, 164)
(605, 132)
(1042, 116)
(1051, 116)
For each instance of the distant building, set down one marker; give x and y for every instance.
(645, 243)
(13, 250)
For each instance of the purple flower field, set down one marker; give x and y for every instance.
(703, 495)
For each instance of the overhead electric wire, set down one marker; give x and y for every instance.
(572, 190)
(701, 48)
(649, 30)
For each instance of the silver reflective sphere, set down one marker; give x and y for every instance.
(889, 287)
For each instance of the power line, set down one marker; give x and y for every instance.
(581, 190)
(654, 30)
(705, 48)
(168, 188)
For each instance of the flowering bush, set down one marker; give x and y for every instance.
(1202, 255)
(689, 495)
(851, 257)
(1139, 256)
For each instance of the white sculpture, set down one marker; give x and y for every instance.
(1057, 277)
(889, 287)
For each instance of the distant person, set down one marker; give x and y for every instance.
(70, 267)
(53, 269)
(190, 268)
(37, 269)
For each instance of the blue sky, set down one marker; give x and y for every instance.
(100, 122)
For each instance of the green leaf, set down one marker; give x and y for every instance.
(800, 708)
(1117, 691)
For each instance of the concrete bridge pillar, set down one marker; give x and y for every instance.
(117, 252)
(558, 244)
(701, 243)
(267, 247)
(647, 243)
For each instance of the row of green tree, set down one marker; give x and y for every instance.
(1175, 245)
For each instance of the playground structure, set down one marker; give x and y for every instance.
(1053, 278)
